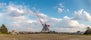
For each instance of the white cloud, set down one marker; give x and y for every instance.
(68, 10)
(17, 10)
(60, 10)
(82, 15)
(68, 25)
(68, 22)
(2, 5)
(56, 19)
(61, 5)
(17, 16)
(1, 15)
(68, 29)
(20, 18)
(43, 16)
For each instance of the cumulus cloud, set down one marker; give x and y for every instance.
(82, 15)
(60, 8)
(68, 29)
(22, 18)
(2, 5)
(67, 22)
(17, 10)
(17, 16)
(68, 25)
(61, 5)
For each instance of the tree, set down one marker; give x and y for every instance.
(88, 31)
(3, 29)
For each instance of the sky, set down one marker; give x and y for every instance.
(62, 15)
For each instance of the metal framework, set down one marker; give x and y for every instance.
(45, 26)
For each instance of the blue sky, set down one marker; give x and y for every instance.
(73, 13)
(48, 6)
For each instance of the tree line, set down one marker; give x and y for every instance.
(4, 30)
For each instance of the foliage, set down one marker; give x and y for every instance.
(88, 31)
(3, 29)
